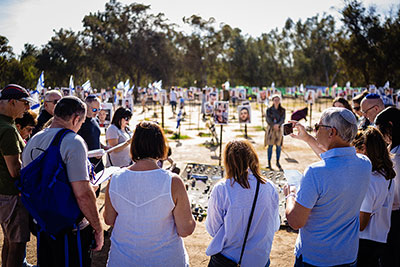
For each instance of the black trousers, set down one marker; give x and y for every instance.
(391, 255)
(52, 252)
(369, 253)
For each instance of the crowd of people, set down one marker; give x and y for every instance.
(347, 207)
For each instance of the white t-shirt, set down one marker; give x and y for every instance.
(121, 158)
(172, 96)
(378, 201)
(72, 149)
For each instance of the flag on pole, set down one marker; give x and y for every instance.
(387, 85)
(129, 91)
(126, 85)
(227, 85)
(87, 86)
(301, 89)
(120, 85)
(40, 83)
(35, 96)
(71, 83)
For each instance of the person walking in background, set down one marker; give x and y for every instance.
(50, 100)
(273, 136)
(118, 133)
(376, 207)
(326, 207)
(229, 209)
(389, 124)
(173, 98)
(14, 218)
(148, 207)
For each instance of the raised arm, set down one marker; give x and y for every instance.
(306, 137)
(184, 221)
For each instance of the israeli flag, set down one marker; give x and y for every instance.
(301, 88)
(120, 85)
(126, 85)
(227, 85)
(129, 91)
(387, 85)
(87, 86)
(35, 96)
(273, 85)
(71, 83)
(40, 83)
(348, 85)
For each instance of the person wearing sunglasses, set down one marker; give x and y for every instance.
(90, 130)
(47, 110)
(327, 204)
(119, 133)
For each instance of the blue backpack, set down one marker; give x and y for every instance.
(47, 193)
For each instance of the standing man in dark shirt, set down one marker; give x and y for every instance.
(14, 218)
(50, 100)
(90, 130)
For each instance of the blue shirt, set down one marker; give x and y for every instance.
(228, 213)
(333, 189)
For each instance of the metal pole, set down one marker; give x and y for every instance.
(245, 131)
(310, 115)
(220, 147)
(162, 116)
(262, 114)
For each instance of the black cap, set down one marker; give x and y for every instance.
(14, 91)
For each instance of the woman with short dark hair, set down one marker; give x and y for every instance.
(230, 205)
(118, 133)
(148, 207)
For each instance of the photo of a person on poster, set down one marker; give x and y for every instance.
(244, 114)
(221, 112)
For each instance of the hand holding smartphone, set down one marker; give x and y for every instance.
(287, 128)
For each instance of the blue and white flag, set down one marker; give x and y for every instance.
(387, 85)
(87, 86)
(35, 96)
(157, 85)
(129, 91)
(120, 85)
(227, 85)
(71, 83)
(40, 83)
(126, 85)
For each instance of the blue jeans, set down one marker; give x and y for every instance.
(300, 263)
(278, 152)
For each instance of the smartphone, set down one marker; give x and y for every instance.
(287, 128)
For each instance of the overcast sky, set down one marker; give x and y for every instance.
(33, 21)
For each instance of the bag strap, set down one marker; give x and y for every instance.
(249, 223)
(59, 137)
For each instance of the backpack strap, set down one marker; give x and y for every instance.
(59, 137)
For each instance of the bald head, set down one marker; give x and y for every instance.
(370, 107)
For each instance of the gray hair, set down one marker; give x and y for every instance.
(343, 120)
(51, 93)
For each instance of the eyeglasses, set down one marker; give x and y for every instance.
(356, 108)
(365, 112)
(55, 101)
(317, 126)
(26, 103)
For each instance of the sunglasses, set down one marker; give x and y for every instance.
(127, 118)
(317, 126)
(53, 101)
(365, 112)
(26, 103)
(95, 109)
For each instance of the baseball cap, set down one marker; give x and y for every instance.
(14, 91)
(372, 96)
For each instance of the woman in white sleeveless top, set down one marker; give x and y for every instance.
(148, 207)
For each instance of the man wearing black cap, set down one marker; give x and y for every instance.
(14, 219)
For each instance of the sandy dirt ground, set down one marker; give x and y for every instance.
(295, 155)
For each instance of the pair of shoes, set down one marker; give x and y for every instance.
(279, 166)
(269, 166)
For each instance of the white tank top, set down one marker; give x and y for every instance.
(144, 232)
